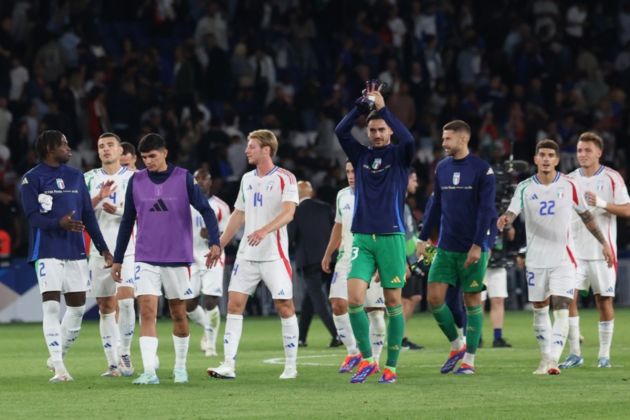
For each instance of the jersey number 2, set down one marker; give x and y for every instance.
(547, 208)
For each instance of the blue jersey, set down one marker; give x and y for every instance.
(49, 193)
(462, 204)
(381, 176)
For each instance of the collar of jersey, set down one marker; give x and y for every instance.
(599, 171)
(537, 181)
(274, 169)
(121, 171)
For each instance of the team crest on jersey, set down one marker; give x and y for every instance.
(560, 193)
(377, 163)
(269, 186)
(600, 186)
(456, 178)
(60, 184)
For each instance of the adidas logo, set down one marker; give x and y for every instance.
(559, 342)
(570, 292)
(610, 289)
(54, 344)
(159, 206)
(290, 345)
(107, 346)
(188, 292)
(396, 279)
(533, 197)
(281, 292)
(380, 300)
(474, 284)
(540, 337)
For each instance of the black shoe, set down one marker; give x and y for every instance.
(335, 342)
(500, 342)
(480, 345)
(410, 345)
(302, 343)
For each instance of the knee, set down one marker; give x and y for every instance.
(339, 308)
(210, 302)
(235, 307)
(285, 308)
(434, 301)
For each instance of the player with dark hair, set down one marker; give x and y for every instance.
(57, 205)
(159, 197)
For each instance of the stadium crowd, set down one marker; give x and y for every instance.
(204, 73)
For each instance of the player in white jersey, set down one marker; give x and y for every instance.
(266, 203)
(129, 156)
(341, 239)
(206, 281)
(607, 196)
(547, 201)
(107, 186)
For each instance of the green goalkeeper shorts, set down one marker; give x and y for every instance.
(448, 267)
(385, 253)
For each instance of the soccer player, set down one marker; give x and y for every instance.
(207, 281)
(107, 186)
(412, 292)
(159, 197)
(341, 239)
(547, 201)
(265, 204)
(57, 206)
(379, 243)
(129, 156)
(463, 206)
(607, 197)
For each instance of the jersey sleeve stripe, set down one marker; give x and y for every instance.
(576, 199)
(281, 183)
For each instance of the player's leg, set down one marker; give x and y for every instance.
(148, 291)
(538, 295)
(277, 276)
(75, 283)
(561, 287)
(212, 290)
(574, 358)
(411, 297)
(49, 273)
(104, 290)
(126, 324)
(243, 282)
(194, 311)
(497, 292)
(604, 288)
(375, 308)
(338, 296)
(455, 301)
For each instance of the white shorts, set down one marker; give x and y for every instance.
(496, 282)
(339, 282)
(275, 274)
(150, 279)
(597, 275)
(65, 276)
(556, 281)
(103, 285)
(207, 281)
(374, 297)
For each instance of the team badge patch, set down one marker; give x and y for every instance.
(560, 193)
(60, 184)
(600, 186)
(269, 186)
(456, 178)
(377, 163)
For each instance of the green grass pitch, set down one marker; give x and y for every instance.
(504, 387)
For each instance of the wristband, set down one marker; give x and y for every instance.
(600, 203)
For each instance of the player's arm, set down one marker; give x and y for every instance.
(200, 203)
(29, 196)
(235, 222)
(349, 144)
(514, 209)
(487, 212)
(622, 210)
(126, 224)
(591, 224)
(284, 218)
(333, 244)
(431, 219)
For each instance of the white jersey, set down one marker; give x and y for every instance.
(261, 198)
(343, 215)
(200, 245)
(109, 223)
(610, 187)
(548, 211)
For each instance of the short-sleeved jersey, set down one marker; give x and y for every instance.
(109, 223)
(261, 198)
(200, 244)
(343, 215)
(548, 211)
(610, 187)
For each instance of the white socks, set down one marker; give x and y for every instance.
(52, 333)
(559, 332)
(233, 330)
(108, 329)
(214, 322)
(71, 326)
(148, 349)
(542, 329)
(290, 332)
(126, 325)
(469, 359)
(574, 336)
(605, 337)
(344, 331)
(377, 332)
(181, 350)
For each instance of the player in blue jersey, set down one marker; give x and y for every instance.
(159, 197)
(463, 207)
(58, 207)
(381, 176)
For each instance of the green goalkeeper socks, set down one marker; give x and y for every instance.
(361, 329)
(474, 327)
(446, 322)
(395, 332)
